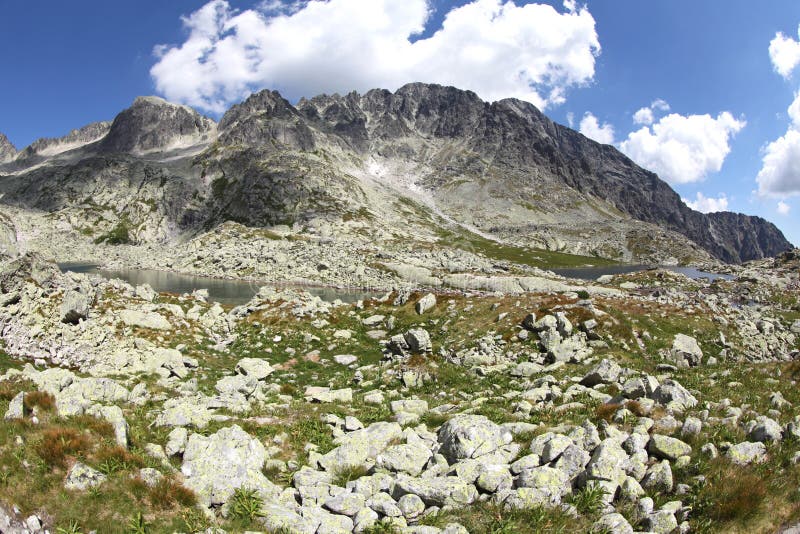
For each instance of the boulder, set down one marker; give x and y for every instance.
(471, 436)
(418, 340)
(16, 408)
(674, 396)
(81, 477)
(74, 307)
(360, 448)
(439, 491)
(425, 303)
(255, 368)
(214, 467)
(685, 351)
(667, 448)
(143, 319)
(605, 372)
(764, 429)
(747, 452)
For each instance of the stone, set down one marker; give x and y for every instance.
(685, 351)
(613, 522)
(605, 372)
(674, 396)
(176, 441)
(406, 458)
(418, 340)
(471, 436)
(425, 303)
(411, 506)
(550, 480)
(345, 359)
(254, 367)
(360, 448)
(214, 467)
(16, 407)
(439, 491)
(348, 504)
(609, 462)
(74, 307)
(692, 426)
(151, 477)
(494, 478)
(765, 430)
(143, 319)
(659, 477)
(667, 448)
(82, 477)
(746, 453)
(415, 406)
(660, 522)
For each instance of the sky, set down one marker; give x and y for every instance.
(703, 93)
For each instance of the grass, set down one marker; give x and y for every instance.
(58, 444)
(494, 519)
(246, 506)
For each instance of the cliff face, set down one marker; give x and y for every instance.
(502, 168)
(7, 150)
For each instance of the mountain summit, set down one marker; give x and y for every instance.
(501, 170)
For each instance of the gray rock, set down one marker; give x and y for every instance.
(659, 478)
(114, 415)
(439, 491)
(360, 448)
(81, 477)
(142, 319)
(418, 340)
(425, 303)
(685, 351)
(348, 504)
(255, 368)
(411, 506)
(345, 359)
(665, 447)
(151, 477)
(216, 466)
(765, 430)
(16, 407)
(605, 372)
(74, 307)
(609, 462)
(471, 436)
(746, 453)
(673, 395)
(407, 458)
(176, 441)
(615, 523)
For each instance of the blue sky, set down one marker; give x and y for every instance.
(66, 64)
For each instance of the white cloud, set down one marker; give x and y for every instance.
(784, 52)
(592, 129)
(683, 149)
(643, 116)
(780, 170)
(646, 116)
(705, 204)
(570, 119)
(783, 208)
(533, 52)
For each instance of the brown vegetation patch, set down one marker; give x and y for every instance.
(59, 443)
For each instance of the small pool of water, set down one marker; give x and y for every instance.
(593, 273)
(233, 292)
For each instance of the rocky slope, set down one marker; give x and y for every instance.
(7, 150)
(161, 172)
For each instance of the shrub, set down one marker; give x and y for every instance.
(583, 294)
(58, 443)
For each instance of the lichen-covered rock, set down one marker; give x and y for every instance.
(81, 477)
(547, 479)
(685, 351)
(360, 448)
(216, 466)
(674, 396)
(406, 458)
(659, 477)
(425, 303)
(747, 452)
(254, 367)
(765, 430)
(114, 415)
(439, 491)
(665, 447)
(609, 462)
(176, 441)
(605, 372)
(74, 307)
(471, 436)
(144, 319)
(418, 340)
(16, 408)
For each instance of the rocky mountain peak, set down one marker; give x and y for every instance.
(153, 124)
(7, 149)
(47, 146)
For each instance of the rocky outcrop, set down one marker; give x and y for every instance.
(75, 139)
(153, 124)
(7, 149)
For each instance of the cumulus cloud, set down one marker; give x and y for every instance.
(683, 149)
(784, 52)
(646, 114)
(780, 169)
(705, 204)
(591, 128)
(497, 49)
(783, 208)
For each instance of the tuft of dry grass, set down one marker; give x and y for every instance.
(732, 493)
(58, 444)
(636, 408)
(606, 411)
(168, 493)
(41, 399)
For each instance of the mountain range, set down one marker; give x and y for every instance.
(501, 170)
